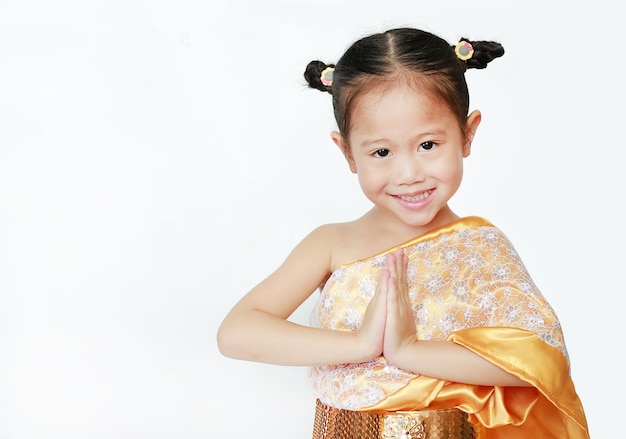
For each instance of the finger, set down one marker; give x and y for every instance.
(390, 263)
(392, 300)
(384, 280)
(400, 263)
(376, 309)
(394, 261)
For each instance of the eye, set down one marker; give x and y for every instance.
(381, 152)
(427, 146)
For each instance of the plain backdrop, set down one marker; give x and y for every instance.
(159, 158)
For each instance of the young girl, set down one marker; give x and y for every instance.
(427, 325)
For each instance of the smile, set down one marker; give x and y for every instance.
(418, 197)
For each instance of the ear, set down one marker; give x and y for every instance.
(473, 120)
(345, 149)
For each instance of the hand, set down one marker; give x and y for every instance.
(371, 332)
(400, 322)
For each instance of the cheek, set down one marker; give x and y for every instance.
(450, 171)
(371, 179)
(366, 181)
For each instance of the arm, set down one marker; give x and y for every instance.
(449, 361)
(444, 360)
(257, 329)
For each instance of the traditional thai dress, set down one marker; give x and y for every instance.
(467, 285)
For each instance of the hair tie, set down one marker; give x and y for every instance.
(327, 76)
(464, 50)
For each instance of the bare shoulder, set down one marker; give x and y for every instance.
(313, 255)
(343, 242)
(305, 269)
(329, 246)
(323, 241)
(328, 234)
(356, 240)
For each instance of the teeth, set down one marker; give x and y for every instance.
(416, 197)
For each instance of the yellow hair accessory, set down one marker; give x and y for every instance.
(464, 50)
(327, 76)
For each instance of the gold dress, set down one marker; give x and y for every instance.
(467, 285)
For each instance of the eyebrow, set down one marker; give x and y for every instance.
(438, 132)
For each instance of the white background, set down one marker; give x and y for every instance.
(158, 159)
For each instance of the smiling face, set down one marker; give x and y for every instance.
(407, 150)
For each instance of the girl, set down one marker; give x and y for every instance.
(427, 325)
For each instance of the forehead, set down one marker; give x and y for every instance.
(423, 86)
(394, 104)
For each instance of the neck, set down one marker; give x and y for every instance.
(400, 231)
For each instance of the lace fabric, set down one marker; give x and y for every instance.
(467, 277)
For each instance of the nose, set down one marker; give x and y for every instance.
(409, 169)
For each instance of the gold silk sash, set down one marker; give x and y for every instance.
(468, 286)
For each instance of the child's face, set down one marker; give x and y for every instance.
(408, 152)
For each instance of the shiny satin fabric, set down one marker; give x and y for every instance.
(467, 285)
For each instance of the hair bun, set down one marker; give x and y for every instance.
(484, 53)
(313, 75)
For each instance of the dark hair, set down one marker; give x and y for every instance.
(421, 58)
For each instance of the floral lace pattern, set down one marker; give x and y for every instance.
(471, 277)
